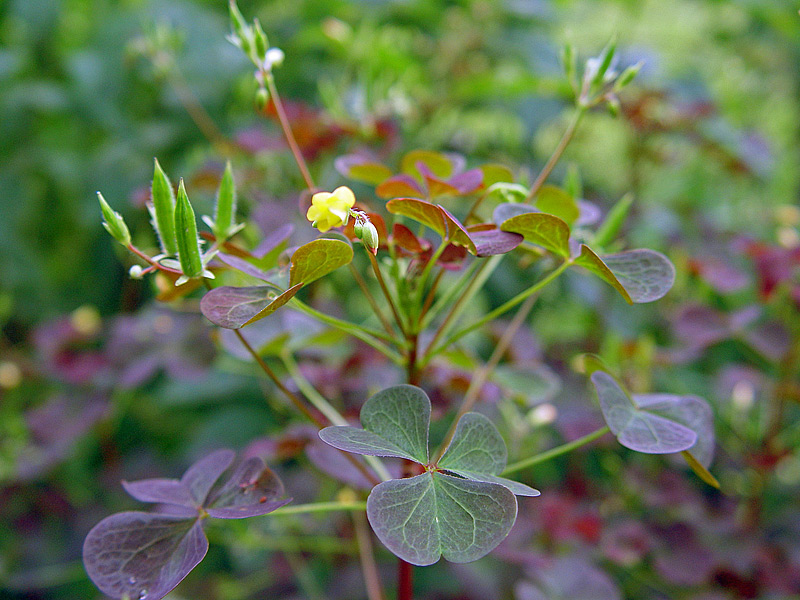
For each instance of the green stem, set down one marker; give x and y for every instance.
(385, 289)
(452, 291)
(554, 452)
(319, 507)
(423, 278)
(287, 129)
(500, 309)
(368, 336)
(322, 405)
(371, 299)
(556, 156)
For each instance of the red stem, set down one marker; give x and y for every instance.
(405, 580)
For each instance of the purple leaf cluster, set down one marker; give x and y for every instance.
(145, 555)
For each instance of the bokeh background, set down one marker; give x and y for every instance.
(99, 382)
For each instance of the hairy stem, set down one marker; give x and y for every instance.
(319, 507)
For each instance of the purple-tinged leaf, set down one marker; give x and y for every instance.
(568, 578)
(362, 168)
(273, 241)
(593, 263)
(456, 232)
(700, 326)
(634, 426)
(691, 411)
(489, 242)
(468, 181)
(647, 275)
(361, 441)
(478, 452)
(399, 186)
(244, 266)
(403, 237)
(505, 211)
(167, 491)
(318, 258)
(201, 476)
(421, 211)
(440, 165)
(279, 301)
(542, 229)
(252, 490)
(436, 186)
(334, 463)
(770, 339)
(141, 555)
(231, 307)
(431, 515)
(589, 213)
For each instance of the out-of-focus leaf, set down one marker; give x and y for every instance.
(362, 168)
(432, 515)
(201, 476)
(318, 258)
(252, 490)
(636, 427)
(142, 555)
(591, 262)
(398, 186)
(503, 212)
(553, 200)
(493, 173)
(439, 164)
(542, 229)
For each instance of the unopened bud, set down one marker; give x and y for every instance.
(262, 97)
(260, 40)
(273, 58)
(136, 272)
(369, 235)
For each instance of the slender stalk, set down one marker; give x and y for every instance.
(554, 452)
(405, 580)
(287, 129)
(431, 295)
(452, 291)
(367, 336)
(323, 406)
(198, 113)
(319, 507)
(481, 276)
(556, 156)
(298, 403)
(379, 276)
(501, 309)
(372, 580)
(293, 398)
(483, 373)
(371, 299)
(423, 278)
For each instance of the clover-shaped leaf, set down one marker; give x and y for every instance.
(145, 555)
(636, 427)
(232, 307)
(638, 275)
(318, 258)
(458, 508)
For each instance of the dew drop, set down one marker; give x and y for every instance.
(143, 595)
(131, 580)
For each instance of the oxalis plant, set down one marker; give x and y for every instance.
(431, 247)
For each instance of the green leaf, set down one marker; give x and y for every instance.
(164, 210)
(591, 262)
(362, 168)
(186, 235)
(318, 258)
(493, 173)
(456, 232)
(401, 415)
(507, 192)
(431, 515)
(478, 452)
(555, 201)
(421, 211)
(636, 427)
(438, 163)
(114, 223)
(699, 470)
(225, 209)
(542, 229)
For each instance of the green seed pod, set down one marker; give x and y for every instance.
(262, 44)
(114, 223)
(262, 97)
(369, 235)
(225, 209)
(627, 76)
(187, 240)
(358, 228)
(164, 210)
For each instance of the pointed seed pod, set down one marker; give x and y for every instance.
(164, 210)
(114, 223)
(186, 235)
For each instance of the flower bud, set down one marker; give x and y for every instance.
(369, 235)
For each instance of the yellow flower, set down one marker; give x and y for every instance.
(331, 209)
